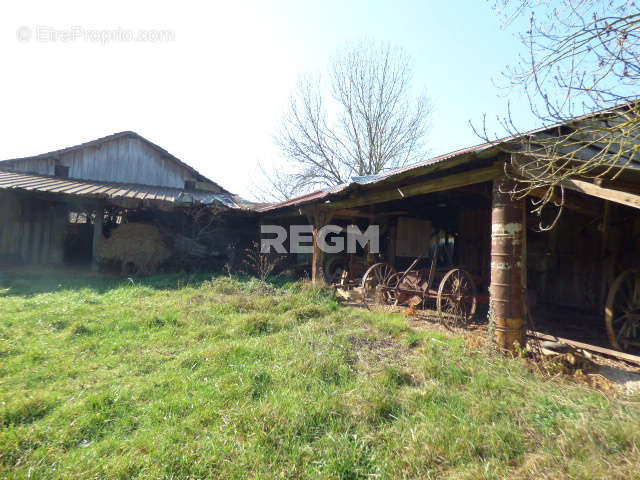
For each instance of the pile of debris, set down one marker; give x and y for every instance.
(552, 357)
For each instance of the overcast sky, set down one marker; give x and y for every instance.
(212, 82)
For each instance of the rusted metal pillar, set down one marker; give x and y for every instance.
(506, 290)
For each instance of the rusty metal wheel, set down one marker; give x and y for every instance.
(622, 311)
(375, 284)
(393, 282)
(456, 299)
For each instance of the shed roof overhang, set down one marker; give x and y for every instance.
(476, 164)
(124, 195)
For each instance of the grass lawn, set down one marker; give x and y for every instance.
(169, 378)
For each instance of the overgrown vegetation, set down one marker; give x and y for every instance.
(236, 378)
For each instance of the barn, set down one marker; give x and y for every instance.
(579, 279)
(57, 207)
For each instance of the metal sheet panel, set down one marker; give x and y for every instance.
(22, 181)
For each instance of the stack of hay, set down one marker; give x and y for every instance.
(135, 244)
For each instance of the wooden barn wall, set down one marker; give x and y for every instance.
(125, 160)
(31, 231)
(570, 266)
(474, 241)
(411, 237)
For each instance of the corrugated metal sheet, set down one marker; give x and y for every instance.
(425, 166)
(380, 178)
(41, 183)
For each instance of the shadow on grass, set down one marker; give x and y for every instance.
(35, 282)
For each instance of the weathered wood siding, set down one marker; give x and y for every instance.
(566, 265)
(125, 160)
(474, 242)
(31, 231)
(412, 236)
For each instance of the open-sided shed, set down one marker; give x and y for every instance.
(561, 278)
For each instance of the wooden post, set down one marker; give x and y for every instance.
(506, 295)
(320, 219)
(97, 233)
(524, 272)
(607, 267)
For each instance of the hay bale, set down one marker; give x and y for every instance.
(137, 244)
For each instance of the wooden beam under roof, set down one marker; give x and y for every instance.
(427, 186)
(618, 196)
(349, 213)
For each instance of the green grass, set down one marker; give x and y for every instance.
(191, 378)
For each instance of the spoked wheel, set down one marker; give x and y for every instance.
(456, 299)
(622, 312)
(375, 284)
(392, 286)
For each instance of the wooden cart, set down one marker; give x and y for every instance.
(455, 298)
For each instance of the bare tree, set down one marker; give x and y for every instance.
(582, 57)
(274, 182)
(363, 121)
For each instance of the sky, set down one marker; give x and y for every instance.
(210, 81)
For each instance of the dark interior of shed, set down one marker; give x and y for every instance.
(570, 268)
(458, 220)
(573, 266)
(462, 215)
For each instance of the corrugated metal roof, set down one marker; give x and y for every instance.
(426, 165)
(144, 193)
(375, 179)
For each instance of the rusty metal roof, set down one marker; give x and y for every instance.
(144, 194)
(427, 166)
(390, 176)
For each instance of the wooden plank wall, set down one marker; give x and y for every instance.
(124, 160)
(31, 231)
(474, 241)
(413, 235)
(565, 264)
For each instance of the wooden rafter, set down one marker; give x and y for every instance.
(618, 196)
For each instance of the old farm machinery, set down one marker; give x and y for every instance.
(454, 298)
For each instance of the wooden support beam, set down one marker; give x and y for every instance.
(607, 265)
(618, 196)
(351, 213)
(97, 233)
(428, 186)
(585, 346)
(321, 217)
